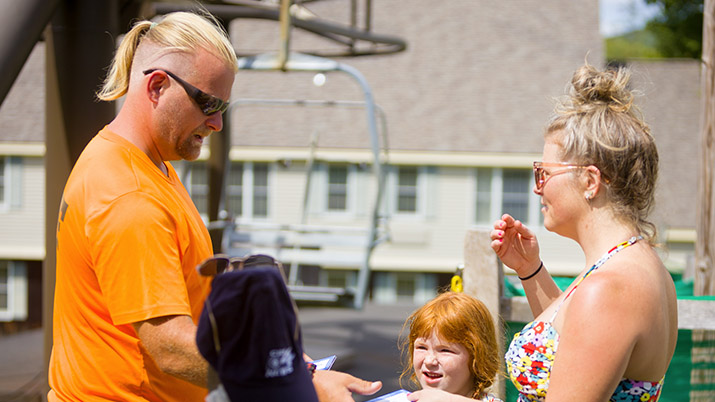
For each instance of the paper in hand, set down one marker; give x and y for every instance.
(325, 363)
(397, 396)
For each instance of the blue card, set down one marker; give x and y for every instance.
(397, 396)
(325, 363)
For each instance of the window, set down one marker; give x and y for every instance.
(13, 291)
(407, 189)
(246, 188)
(515, 193)
(337, 188)
(199, 187)
(400, 287)
(335, 278)
(405, 286)
(411, 191)
(11, 182)
(499, 191)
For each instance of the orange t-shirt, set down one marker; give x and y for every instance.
(128, 242)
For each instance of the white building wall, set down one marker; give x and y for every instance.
(23, 227)
(436, 243)
(286, 193)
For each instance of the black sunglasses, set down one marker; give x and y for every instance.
(208, 104)
(221, 263)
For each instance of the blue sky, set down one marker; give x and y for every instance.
(621, 16)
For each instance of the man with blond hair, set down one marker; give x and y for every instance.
(129, 238)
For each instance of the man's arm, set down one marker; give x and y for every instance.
(171, 342)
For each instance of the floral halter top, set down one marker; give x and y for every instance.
(532, 352)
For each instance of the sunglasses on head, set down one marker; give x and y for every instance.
(208, 104)
(221, 263)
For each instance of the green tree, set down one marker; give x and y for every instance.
(678, 28)
(637, 44)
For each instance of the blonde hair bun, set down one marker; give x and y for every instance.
(594, 88)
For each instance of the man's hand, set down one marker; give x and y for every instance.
(334, 386)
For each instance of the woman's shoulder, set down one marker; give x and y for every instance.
(631, 291)
(636, 279)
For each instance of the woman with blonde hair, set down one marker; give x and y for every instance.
(451, 350)
(612, 333)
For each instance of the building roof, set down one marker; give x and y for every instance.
(475, 76)
(22, 114)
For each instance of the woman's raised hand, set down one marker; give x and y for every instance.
(515, 245)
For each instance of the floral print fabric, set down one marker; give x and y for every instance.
(629, 390)
(529, 360)
(531, 354)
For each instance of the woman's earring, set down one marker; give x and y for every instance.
(589, 195)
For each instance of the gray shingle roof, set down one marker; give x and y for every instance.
(22, 114)
(476, 76)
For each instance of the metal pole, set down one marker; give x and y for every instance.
(364, 274)
(218, 170)
(284, 20)
(309, 168)
(21, 24)
(302, 62)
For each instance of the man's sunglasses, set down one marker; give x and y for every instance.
(221, 263)
(208, 104)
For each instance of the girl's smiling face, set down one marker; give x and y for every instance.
(442, 365)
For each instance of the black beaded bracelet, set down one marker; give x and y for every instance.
(535, 272)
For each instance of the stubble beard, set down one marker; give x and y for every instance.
(188, 149)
